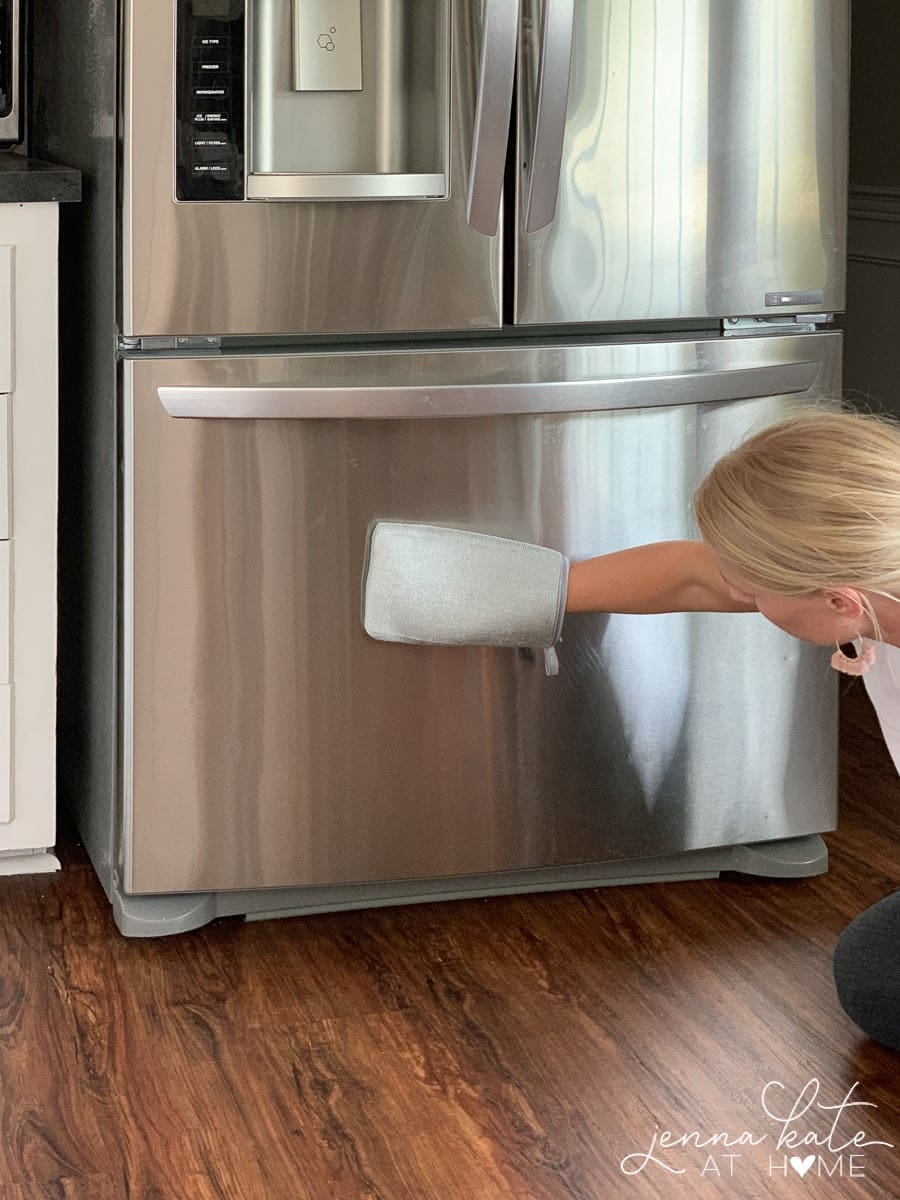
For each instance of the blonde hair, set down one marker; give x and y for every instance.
(810, 503)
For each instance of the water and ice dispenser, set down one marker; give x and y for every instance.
(313, 99)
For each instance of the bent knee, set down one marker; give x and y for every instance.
(866, 968)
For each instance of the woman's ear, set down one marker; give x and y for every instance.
(845, 602)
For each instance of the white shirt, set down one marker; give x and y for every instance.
(882, 682)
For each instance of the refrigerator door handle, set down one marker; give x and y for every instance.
(545, 160)
(417, 401)
(492, 113)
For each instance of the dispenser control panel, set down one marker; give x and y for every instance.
(209, 106)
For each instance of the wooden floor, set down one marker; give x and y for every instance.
(517, 1047)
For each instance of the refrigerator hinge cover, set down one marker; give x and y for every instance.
(133, 345)
(759, 326)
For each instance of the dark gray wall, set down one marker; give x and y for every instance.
(872, 346)
(875, 94)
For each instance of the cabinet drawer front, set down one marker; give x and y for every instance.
(7, 323)
(5, 468)
(6, 790)
(5, 612)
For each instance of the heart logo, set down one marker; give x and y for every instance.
(802, 1165)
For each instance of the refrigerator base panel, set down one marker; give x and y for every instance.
(155, 916)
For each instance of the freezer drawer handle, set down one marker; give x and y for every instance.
(492, 112)
(415, 401)
(554, 67)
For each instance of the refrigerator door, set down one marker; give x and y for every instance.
(267, 741)
(681, 160)
(325, 231)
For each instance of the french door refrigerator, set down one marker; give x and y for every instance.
(526, 267)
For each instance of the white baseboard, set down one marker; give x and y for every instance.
(37, 862)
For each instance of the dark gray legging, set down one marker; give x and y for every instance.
(867, 971)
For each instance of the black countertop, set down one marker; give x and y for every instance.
(29, 181)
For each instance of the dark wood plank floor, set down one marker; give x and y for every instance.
(512, 1047)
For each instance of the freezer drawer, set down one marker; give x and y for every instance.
(268, 742)
(681, 160)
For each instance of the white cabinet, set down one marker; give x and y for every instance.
(6, 704)
(5, 465)
(28, 514)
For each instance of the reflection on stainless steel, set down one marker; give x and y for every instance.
(268, 741)
(256, 268)
(492, 113)
(704, 164)
(545, 160)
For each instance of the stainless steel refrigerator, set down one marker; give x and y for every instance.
(526, 267)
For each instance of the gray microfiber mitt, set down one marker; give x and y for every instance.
(433, 585)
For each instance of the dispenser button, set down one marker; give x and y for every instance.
(209, 141)
(211, 92)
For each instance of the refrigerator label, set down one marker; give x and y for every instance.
(792, 299)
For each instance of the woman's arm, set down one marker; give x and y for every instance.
(660, 577)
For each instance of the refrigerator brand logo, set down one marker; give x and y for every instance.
(835, 1154)
(779, 299)
(326, 41)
